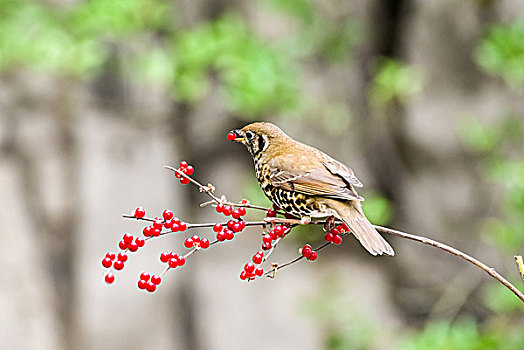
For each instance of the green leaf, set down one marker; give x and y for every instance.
(501, 52)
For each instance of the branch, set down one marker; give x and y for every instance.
(290, 223)
(490, 270)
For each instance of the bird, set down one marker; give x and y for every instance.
(307, 183)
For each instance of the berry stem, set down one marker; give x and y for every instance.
(272, 273)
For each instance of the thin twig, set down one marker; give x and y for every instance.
(209, 191)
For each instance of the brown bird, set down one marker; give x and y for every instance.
(308, 183)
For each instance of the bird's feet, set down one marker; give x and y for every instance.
(330, 223)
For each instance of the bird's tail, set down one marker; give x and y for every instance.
(351, 213)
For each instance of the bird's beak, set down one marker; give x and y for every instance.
(234, 135)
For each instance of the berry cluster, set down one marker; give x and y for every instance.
(167, 221)
(227, 210)
(308, 253)
(278, 231)
(187, 170)
(148, 282)
(223, 232)
(128, 243)
(196, 242)
(334, 236)
(250, 271)
(172, 259)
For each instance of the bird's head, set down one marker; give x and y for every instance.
(257, 137)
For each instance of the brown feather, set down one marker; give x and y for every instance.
(351, 213)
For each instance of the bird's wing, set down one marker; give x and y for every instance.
(313, 182)
(337, 168)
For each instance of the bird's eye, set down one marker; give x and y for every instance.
(249, 135)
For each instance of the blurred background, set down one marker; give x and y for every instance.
(423, 99)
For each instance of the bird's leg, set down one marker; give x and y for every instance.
(330, 224)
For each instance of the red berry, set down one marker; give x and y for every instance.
(279, 230)
(257, 258)
(106, 262)
(110, 256)
(127, 238)
(189, 170)
(242, 223)
(220, 208)
(183, 164)
(345, 227)
(237, 227)
(230, 224)
(164, 257)
(249, 267)
(140, 241)
(221, 236)
(118, 265)
(156, 279)
(168, 224)
(329, 237)
(133, 247)
(229, 234)
(259, 271)
(182, 226)
(243, 275)
(204, 243)
(139, 213)
(227, 210)
(156, 232)
(184, 181)
(188, 243)
(195, 238)
(307, 250)
(267, 238)
(236, 214)
(340, 229)
(217, 228)
(337, 239)
(231, 136)
(122, 257)
(242, 211)
(271, 213)
(158, 224)
(175, 227)
(145, 276)
(122, 245)
(109, 278)
(142, 284)
(313, 256)
(173, 262)
(266, 246)
(150, 287)
(148, 231)
(181, 260)
(167, 214)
